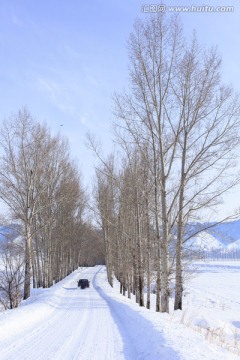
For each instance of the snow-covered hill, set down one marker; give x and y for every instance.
(234, 246)
(222, 236)
(204, 241)
(227, 232)
(225, 236)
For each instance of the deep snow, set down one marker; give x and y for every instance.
(65, 322)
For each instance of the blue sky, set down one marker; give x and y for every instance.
(64, 59)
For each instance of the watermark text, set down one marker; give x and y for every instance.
(156, 8)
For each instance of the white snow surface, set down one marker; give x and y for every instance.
(97, 323)
(234, 246)
(204, 241)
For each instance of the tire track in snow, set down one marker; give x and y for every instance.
(81, 327)
(41, 334)
(43, 338)
(99, 339)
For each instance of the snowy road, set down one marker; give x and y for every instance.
(65, 322)
(74, 324)
(80, 327)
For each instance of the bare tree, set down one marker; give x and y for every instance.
(22, 143)
(179, 106)
(11, 273)
(154, 52)
(106, 202)
(207, 143)
(42, 189)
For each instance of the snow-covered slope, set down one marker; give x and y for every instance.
(204, 241)
(222, 236)
(227, 232)
(98, 323)
(234, 246)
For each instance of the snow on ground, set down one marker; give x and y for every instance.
(234, 246)
(212, 304)
(65, 322)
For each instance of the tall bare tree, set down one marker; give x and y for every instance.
(23, 154)
(208, 141)
(179, 106)
(41, 187)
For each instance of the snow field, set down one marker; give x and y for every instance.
(211, 303)
(177, 341)
(65, 322)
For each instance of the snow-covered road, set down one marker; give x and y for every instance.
(73, 324)
(65, 322)
(79, 327)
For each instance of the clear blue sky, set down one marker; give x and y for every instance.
(64, 59)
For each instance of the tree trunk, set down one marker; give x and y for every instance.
(27, 281)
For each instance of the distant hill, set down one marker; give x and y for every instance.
(203, 241)
(234, 246)
(222, 236)
(227, 232)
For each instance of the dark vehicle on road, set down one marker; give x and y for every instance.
(83, 283)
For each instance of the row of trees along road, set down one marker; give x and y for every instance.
(41, 188)
(178, 130)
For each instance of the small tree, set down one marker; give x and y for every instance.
(11, 274)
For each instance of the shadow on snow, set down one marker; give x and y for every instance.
(140, 340)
